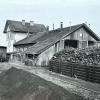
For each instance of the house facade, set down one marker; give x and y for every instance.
(13, 37)
(18, 30)
(79, 39)
(51, 42)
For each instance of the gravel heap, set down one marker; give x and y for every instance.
(16, 84)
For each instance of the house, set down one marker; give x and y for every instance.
(3, 51)
(24, 44)
(18, 30)
(51, 42)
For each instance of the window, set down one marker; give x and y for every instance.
(25, 49)
(81, 34)
(12, 36)
(9, 44)
(8, 35)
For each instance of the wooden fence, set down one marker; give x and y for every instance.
(85, 72)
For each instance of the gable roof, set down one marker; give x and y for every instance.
(17, 26)
(51, 37)
(87, 28)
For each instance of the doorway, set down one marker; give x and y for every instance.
(71, 43)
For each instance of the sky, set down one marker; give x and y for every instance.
(49, 12)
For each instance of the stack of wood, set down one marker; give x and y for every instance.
(87, 56)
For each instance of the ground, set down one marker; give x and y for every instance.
(14, 83)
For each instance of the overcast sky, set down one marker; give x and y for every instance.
(50, 12)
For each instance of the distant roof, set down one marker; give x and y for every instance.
(51, 37)
(3, 47)
(17, 26)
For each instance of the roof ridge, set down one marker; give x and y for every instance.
(21, 21)
(74, 25)
(23, 28)
(69, 26)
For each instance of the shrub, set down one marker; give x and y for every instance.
(3, 59)
(28, 62)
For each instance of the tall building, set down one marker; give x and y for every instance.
(18, 30)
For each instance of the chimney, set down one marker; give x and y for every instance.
(23, 22)
(31, 23)
(89, 25)
(86, 23)
(61, 25)
(53, 27)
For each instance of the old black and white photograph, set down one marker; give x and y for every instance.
(49, 50)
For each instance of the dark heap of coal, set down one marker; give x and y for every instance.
(17, 84)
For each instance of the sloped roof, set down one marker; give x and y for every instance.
(30, 39)
(3, 47)
(43, 45)
(51, 37)
(17, 26)
(41, 36)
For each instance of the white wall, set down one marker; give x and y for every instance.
(20, 36)
(46, 55)
(13, 37)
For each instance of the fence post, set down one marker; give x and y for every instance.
(71, 70)
(93, 74)
(50, 67)
(86, 73)
(60, 65)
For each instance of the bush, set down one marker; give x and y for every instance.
(29, 62)
(3, 59)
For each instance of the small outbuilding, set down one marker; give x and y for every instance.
(3, 51)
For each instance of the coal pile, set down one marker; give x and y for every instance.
(16, 84)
